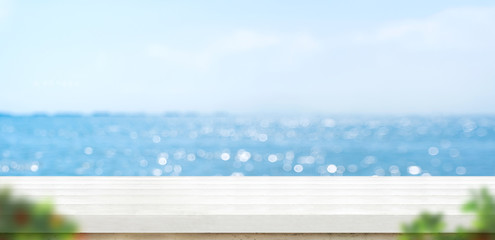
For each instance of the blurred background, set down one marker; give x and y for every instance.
(247, 88)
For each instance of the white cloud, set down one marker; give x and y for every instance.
(439, 63)
(236, 43)
(467, 27)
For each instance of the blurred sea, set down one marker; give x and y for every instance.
(224, 145)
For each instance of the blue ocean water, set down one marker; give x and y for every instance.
(224, 145)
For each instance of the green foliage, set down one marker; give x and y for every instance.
(431, 226)
(21, 219)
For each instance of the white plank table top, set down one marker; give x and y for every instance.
(250, 204)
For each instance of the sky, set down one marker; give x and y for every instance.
(357, 56)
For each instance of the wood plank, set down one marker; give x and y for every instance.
(250, 204)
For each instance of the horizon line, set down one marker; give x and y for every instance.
(223, 114)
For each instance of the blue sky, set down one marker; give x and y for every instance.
(370, 57)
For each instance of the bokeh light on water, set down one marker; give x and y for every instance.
(210, 145)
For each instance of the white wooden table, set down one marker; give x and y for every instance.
(250, 204)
